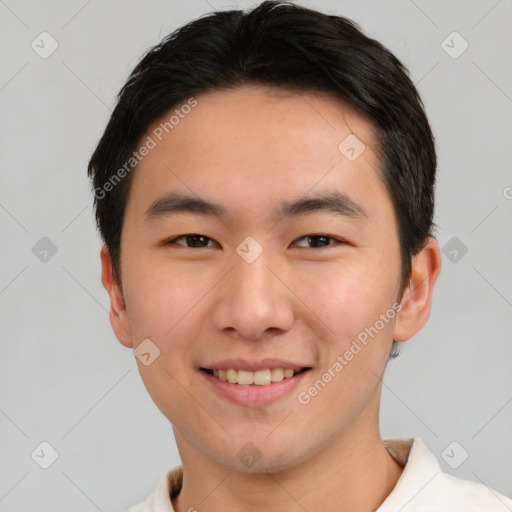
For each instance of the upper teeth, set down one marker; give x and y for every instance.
(260, 378)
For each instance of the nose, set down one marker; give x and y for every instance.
(254, 299)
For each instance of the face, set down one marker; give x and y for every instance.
(251, 285)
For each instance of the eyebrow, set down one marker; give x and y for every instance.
(330, 202)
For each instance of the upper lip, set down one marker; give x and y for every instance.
(254, 366)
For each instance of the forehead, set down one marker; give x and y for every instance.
(258, 144)
(255, 115)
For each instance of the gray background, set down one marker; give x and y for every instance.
(66, 380)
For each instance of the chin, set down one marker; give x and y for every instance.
(264, 465)
(261, 457)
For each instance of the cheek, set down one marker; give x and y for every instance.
(344, 296)
(350, 300)
(164, 305)
(156, 298)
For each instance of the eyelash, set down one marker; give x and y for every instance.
(173, 240)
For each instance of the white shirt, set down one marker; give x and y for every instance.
(422, 487)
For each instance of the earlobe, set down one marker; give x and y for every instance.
(118, 314)
(417, 299)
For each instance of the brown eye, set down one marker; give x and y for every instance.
(191, 241)
(320, 240)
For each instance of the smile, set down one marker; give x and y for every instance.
(254, 389)
(259, 378)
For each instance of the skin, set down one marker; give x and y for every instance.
(249, 149)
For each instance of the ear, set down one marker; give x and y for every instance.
(417, 298)
(118, 314)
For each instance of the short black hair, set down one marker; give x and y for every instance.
(284, 45)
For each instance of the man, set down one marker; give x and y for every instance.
(265, 191)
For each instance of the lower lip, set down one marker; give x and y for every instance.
(253, 395)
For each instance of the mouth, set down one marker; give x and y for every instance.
(255, 382)
(265, 377)
(255, 389)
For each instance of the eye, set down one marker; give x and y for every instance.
(197, 241)
(321, 238)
